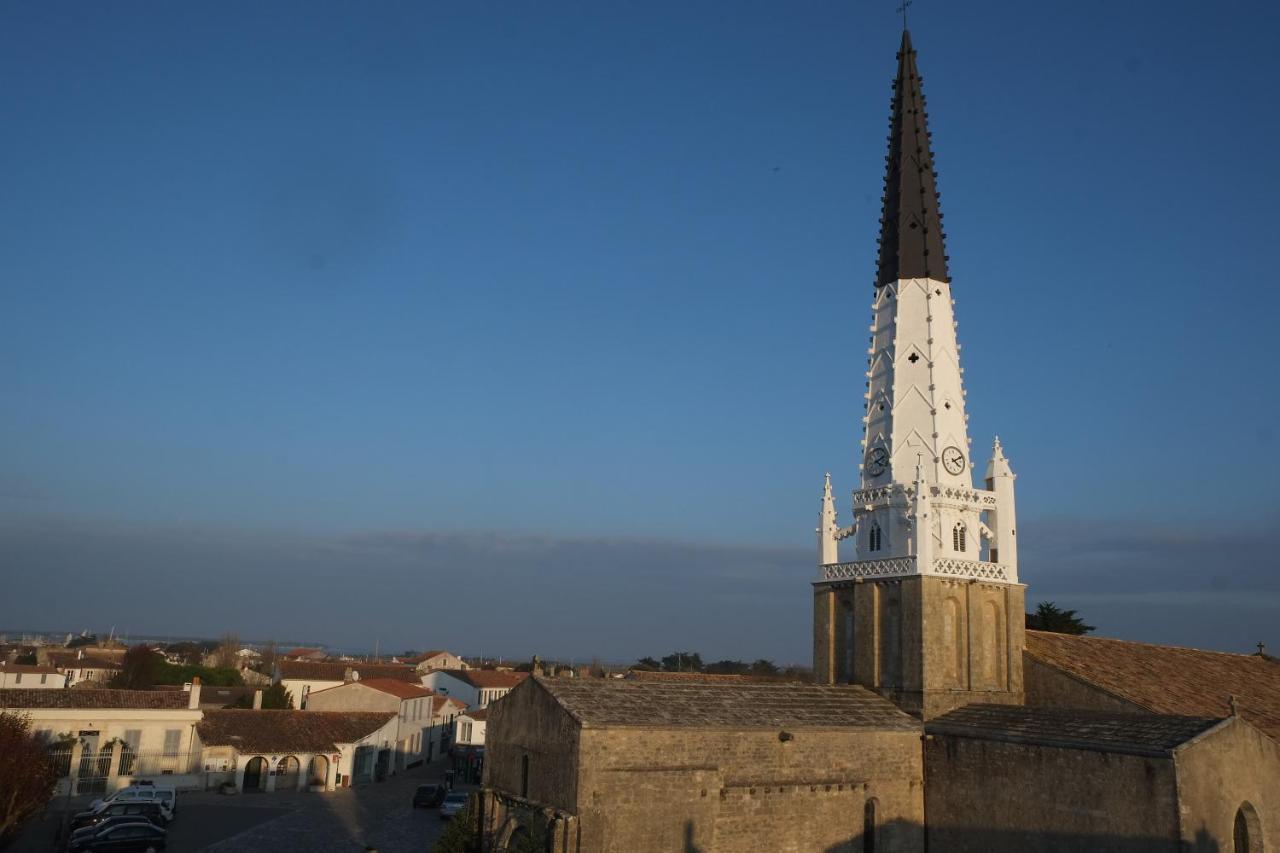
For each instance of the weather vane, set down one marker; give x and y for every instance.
(903, 10)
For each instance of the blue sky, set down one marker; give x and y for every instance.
(595, 275)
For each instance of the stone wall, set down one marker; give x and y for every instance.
(929, 644)
(988, 796)
(528, 725)
(1218, 774)
(734, 791)
(1049, 687)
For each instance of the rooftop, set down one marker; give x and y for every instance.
(393, 686)
(28, 669)
(337, 671)
(616, 702)
(489, 678)
(1168, 679)
(288, 731)
(1135, 734)
(707, 677)
(16, 697)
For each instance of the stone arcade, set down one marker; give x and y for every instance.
(937, 722)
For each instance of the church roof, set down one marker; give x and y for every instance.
(911, 239)
(1134, 734)
(1168, 679)
(619, 702)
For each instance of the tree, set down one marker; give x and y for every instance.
(764, 667)
(27, 776)
(727, 667)
(460, 836)
(227, 654)
(682, 662)
(1049, 618)
(274, 698)
(648, 665)
(140, 669)
(82, 640)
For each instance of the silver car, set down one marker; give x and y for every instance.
(453, 803)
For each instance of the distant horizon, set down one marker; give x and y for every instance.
(538, 329)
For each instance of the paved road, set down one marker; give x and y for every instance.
(377, 815)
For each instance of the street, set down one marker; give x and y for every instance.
(377, 815)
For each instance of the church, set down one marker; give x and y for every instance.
(936, 721)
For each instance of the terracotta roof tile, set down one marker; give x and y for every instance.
(490, 678)
(400, 689)
(28, 669)
(481, 714)
(1168, 679)
(337, 671)
(288, 731)
(17, 697)
(618, 702)
(1135, 734)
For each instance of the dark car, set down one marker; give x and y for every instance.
(145, 811)
(143, 837)
(428, 796)
(86, 831)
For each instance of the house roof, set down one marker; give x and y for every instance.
(489, 678)
(288, 731)
(706, 677)
(481, 714)
(17, 697)
(1136, 734)
(425, 656)
(618, 702)
(337, 671)
(439, 702)
(397, 688)
(28, 669)
(71, 660)
(302, 653)
(1168, 679)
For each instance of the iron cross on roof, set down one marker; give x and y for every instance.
(903, 10)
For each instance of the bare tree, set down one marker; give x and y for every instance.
(227, 654)
(27, 776)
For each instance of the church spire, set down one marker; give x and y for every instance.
(911, 222)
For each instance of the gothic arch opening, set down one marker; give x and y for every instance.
(959, 538)
(993, 657)
(869, 826)
(1248, 830)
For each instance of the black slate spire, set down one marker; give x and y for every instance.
(911, 226)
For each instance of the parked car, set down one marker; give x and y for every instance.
(452, 804)
(428, 796)
(142, 837)
(152, 812)
(143, 791)
(86, 831)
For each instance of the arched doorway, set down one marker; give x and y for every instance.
(318, 771)
(255, 774)
(1248, 830)
(287, 771)
(869, 826)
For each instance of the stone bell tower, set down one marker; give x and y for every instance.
(930, 611)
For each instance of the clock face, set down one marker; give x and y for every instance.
(877, 462)
(953, 460)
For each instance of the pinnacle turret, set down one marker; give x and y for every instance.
(911, 244)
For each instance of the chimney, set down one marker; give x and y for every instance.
(257, 700)
(193, 701)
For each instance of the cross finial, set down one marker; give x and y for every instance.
(903, 10)
(1262, 648)
(1235, 705)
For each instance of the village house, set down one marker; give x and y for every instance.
(301, 678)
(103, 739)
(97, 666)
(31, 676)
(274, 750)
(475, 688)
(436, 659)
(444, 713)
(411, 704)
(467, 752)
(313, 655)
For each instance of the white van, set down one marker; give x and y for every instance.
(144, 792)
